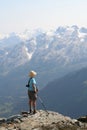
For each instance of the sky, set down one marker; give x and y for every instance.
(19, 15)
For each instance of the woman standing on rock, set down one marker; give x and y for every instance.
(32, 92)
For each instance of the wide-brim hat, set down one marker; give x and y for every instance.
(32, 73)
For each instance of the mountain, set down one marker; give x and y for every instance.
(56, 52)
(41, 121)
(65, 46)
(52, 54)
(68, 94)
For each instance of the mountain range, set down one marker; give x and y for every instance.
(52, 54)
(65, 46)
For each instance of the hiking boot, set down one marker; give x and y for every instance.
(30, 111)
(34, 112)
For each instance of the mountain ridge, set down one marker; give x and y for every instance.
(51, 54)
(66, 44)
(41, 121)
(68, 94)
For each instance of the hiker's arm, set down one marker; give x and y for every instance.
(34, 87)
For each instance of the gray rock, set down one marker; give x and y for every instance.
(82, 119)
(2, 120)
(12, 118)
(43, 121)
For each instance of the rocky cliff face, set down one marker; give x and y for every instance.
(41, 121)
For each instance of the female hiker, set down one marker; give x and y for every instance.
(32, 92)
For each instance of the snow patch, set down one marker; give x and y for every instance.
(47, 47)
(28, 54)
(81, 35)
(70, 29)
(82, 40)
(6, 53)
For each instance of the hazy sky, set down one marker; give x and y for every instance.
(18, 15)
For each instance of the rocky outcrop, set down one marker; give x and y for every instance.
(41, 121)
(83, 119)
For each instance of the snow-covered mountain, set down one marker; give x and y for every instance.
(52, 54)
(65, 46)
